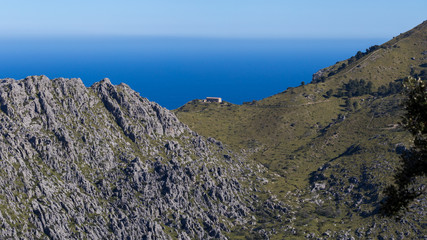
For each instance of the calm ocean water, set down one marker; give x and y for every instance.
(173, 71)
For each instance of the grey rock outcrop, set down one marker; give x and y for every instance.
(104, 163)
(317, 76)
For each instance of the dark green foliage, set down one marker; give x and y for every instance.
(415, 120)
(351, 105)
(414, 160)
(355, 88)
(392, 88)
(329, 93)
(372, 48)
(422, 74)
(355, 105)
(320, 79)
(338, 70)
(302, 83)
(360, 54)
(351, 60)
(348, 104)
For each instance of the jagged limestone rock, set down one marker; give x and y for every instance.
(104, 163)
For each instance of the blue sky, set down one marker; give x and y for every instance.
(218, 18)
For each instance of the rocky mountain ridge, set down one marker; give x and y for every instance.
(104, 163)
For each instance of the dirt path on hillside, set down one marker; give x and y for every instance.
(286, 106)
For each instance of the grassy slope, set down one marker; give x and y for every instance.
(288, 132)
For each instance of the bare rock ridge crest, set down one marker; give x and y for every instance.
(104, 163)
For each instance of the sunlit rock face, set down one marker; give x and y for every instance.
(104, 163)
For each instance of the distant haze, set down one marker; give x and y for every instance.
(219, 18)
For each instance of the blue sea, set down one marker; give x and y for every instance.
(173, 71)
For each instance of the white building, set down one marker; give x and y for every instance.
(213, 99)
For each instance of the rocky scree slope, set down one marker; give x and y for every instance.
(104, 163)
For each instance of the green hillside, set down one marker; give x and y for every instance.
(331, 146)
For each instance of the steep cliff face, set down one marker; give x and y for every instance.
(103, 162)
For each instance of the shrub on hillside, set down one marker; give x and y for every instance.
(414, 161)
(355, 88)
